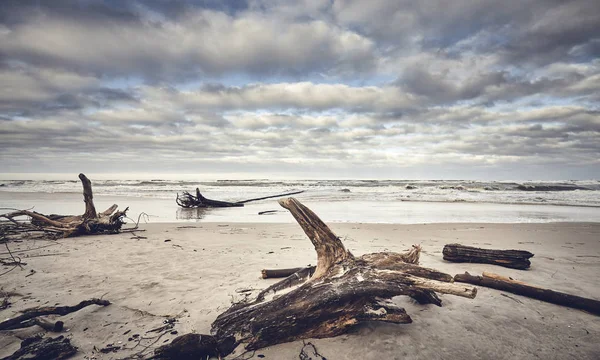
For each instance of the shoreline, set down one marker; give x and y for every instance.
(348, 211)
(198, 272)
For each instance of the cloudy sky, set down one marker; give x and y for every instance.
(480, 89)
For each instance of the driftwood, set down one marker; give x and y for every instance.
(343, 291)
(23, 320)
(109, 221)
(520, 288)
(46, 325)
(516, 259)
(187, 200)
(40, 348)
(282, 273)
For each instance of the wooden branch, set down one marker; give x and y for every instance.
(39, 217)
(516, 259)
(279, 273)
(50, 310)
(88, 198)
(270, 197)
(329, 247)
(490, 275)
(519, 288)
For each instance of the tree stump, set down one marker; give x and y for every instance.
(516, 259)
(343, 291)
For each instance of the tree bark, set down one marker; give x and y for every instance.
(517, 287)
(343, 291)
(516, 259)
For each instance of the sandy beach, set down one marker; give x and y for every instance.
(195, 270)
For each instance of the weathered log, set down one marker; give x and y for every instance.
(40, 348)
(109, 221)
(516, 259)
(187, 200)
(343, 291)
(44, 324)
(278, 273)
(517, 287)
(49, 310)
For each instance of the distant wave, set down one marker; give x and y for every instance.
(459, 185)
(562, 193)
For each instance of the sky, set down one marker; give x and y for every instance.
(398, 89)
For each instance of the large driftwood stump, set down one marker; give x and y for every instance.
(516, 259)
(109, 221)
(343, 291)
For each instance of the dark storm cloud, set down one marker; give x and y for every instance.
(349, 83)
(132, 39)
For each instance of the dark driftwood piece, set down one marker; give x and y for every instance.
(516, 259)
(517, 287)
(40, 348)
(48, 310)
(343, 291)
(109, 221)
(187, 200)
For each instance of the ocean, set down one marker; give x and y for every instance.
(366, 201)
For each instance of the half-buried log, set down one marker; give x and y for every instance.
(44, 348)
(109, 221)
(518, 287)
(516, 259)
(343, 291)
(22, 320)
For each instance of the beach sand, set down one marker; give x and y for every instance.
(195, 275)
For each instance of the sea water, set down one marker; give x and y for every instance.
(370, 201)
